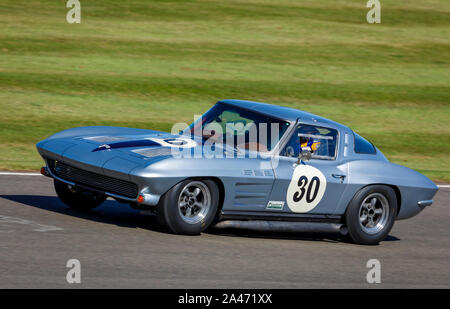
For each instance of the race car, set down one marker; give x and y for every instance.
(242, 164)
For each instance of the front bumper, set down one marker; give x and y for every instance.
(139, 197)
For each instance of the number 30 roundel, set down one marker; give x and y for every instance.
(306, 188)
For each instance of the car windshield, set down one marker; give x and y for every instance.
(238, 127)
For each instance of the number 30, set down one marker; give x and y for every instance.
(304, 187)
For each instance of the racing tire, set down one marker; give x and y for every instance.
(189, 207)
(81, 200)
(371, 214)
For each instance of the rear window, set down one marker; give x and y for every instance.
(363, 146)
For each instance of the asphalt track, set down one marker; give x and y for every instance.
(120, 248)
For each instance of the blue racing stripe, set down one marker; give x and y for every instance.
(127, 144)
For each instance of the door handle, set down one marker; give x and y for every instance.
(339, 176)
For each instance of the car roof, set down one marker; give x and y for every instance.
(286, 113)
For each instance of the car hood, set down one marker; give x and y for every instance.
(112, 150)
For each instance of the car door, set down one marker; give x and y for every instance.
(314, 186)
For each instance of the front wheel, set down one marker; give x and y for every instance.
(189, 207)
(82, 200)
(371, 214)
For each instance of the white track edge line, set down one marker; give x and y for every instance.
(37, 174)
(19, 174)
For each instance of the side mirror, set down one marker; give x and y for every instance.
(305, 154)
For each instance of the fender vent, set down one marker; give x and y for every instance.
(268, 173)
(248, 173)
(258, 173)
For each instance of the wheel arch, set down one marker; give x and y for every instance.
(398, 194)
(220, 186)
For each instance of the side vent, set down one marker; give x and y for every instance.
(258, 173)
(248, 173)
(268, 173)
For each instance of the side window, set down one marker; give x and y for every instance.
(362, 145)
(322, 142)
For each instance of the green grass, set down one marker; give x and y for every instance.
(149, 64)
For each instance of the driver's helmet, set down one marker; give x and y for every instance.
(308, 142)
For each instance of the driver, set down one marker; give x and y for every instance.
(307, 142)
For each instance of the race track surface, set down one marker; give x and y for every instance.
(120, 248)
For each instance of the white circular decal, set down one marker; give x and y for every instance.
(179, 142)
(306, 188)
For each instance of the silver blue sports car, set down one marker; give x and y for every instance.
(242, 164)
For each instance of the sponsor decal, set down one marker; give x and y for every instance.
(277, 205)
(306, 188)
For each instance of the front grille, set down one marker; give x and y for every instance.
(93, 180)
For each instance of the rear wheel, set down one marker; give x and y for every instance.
(78, 199)
(371, 214)
(189, 207)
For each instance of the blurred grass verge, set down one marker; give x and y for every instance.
(149, 64)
